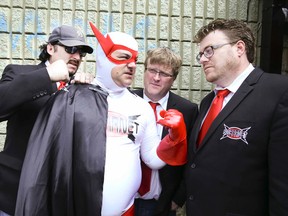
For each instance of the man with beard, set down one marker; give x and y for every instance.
(237, 156)
(92, 137)
(24, 89)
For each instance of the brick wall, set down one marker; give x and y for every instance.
(24, 25)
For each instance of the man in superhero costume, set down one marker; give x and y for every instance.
(91, 139)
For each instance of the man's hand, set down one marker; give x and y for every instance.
(81, 77)
(58, 71)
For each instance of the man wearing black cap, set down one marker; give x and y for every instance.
(24, 89)
(92, 137)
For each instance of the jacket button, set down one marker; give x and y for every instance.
(191, 197)
(193, 165)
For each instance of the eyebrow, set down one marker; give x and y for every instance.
(124, 55)
(207, 47)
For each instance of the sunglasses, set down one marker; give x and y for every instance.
(73, 50)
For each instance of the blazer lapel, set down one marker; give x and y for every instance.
(204, 106)
(246, 87)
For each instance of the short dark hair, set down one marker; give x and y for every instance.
(234, 29)
(44, 55)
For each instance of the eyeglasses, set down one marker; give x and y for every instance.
(73, 50)
(209, 51)
(161, 73)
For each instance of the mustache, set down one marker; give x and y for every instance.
(74, 61)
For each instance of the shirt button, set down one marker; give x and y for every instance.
(193, 165)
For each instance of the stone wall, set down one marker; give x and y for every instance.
(24, 25)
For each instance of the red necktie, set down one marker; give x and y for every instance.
(62, 85)
(213, 112)
(146, 171)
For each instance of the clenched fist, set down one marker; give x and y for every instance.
(58, 71)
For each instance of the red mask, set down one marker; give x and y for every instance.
(109, 47)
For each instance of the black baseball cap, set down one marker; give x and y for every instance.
(69, 36)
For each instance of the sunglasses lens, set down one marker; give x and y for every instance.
(74, 49)
(71, 50)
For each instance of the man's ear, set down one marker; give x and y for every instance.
(50, 49)
(241, 48)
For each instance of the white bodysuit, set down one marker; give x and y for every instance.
(130, 128)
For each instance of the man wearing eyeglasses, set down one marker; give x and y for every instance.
(24, 89)
(162, 66)
(237, 158)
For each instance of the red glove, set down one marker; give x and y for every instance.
(173, 147)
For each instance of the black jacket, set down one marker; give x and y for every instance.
(171, 177)
(24, 89)
(241, 166)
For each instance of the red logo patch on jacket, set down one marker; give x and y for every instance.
(235, 133)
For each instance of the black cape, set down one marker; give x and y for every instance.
(63, 171)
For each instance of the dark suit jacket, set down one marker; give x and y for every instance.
(241, 167)
(171, 176)
(23, 91)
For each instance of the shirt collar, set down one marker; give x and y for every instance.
(163, 101)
